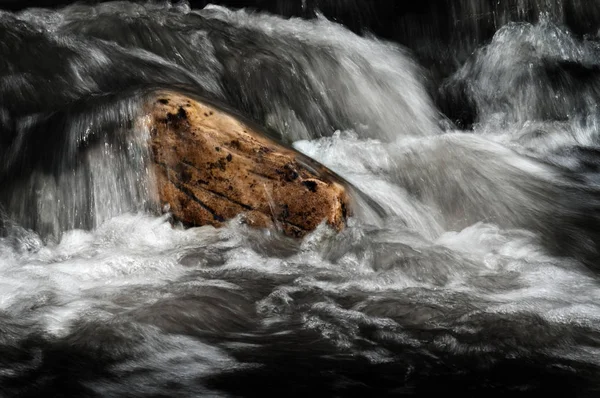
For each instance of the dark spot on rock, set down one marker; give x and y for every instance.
(288, 173)
(311, 185)
(163, 101)
(217, 149)
(230, 188)
(285, 212)
(219, 164)
(211, 113)
(344, 210)
(229, 157)
(235, 144)
(186, 176)
(177, 117)
(205, 114)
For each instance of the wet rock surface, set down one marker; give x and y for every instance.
(211, 167)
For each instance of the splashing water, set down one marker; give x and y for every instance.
(481, 276)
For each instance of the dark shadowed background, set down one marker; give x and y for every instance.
(442, 34)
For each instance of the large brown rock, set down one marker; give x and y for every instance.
(211, 166)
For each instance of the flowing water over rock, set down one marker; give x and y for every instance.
(482, 274)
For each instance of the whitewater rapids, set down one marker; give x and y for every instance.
(482, 275)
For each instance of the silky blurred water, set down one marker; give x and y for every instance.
(482, 275)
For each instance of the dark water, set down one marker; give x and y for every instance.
(481, 277)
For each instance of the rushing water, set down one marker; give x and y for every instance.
(482, 275)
